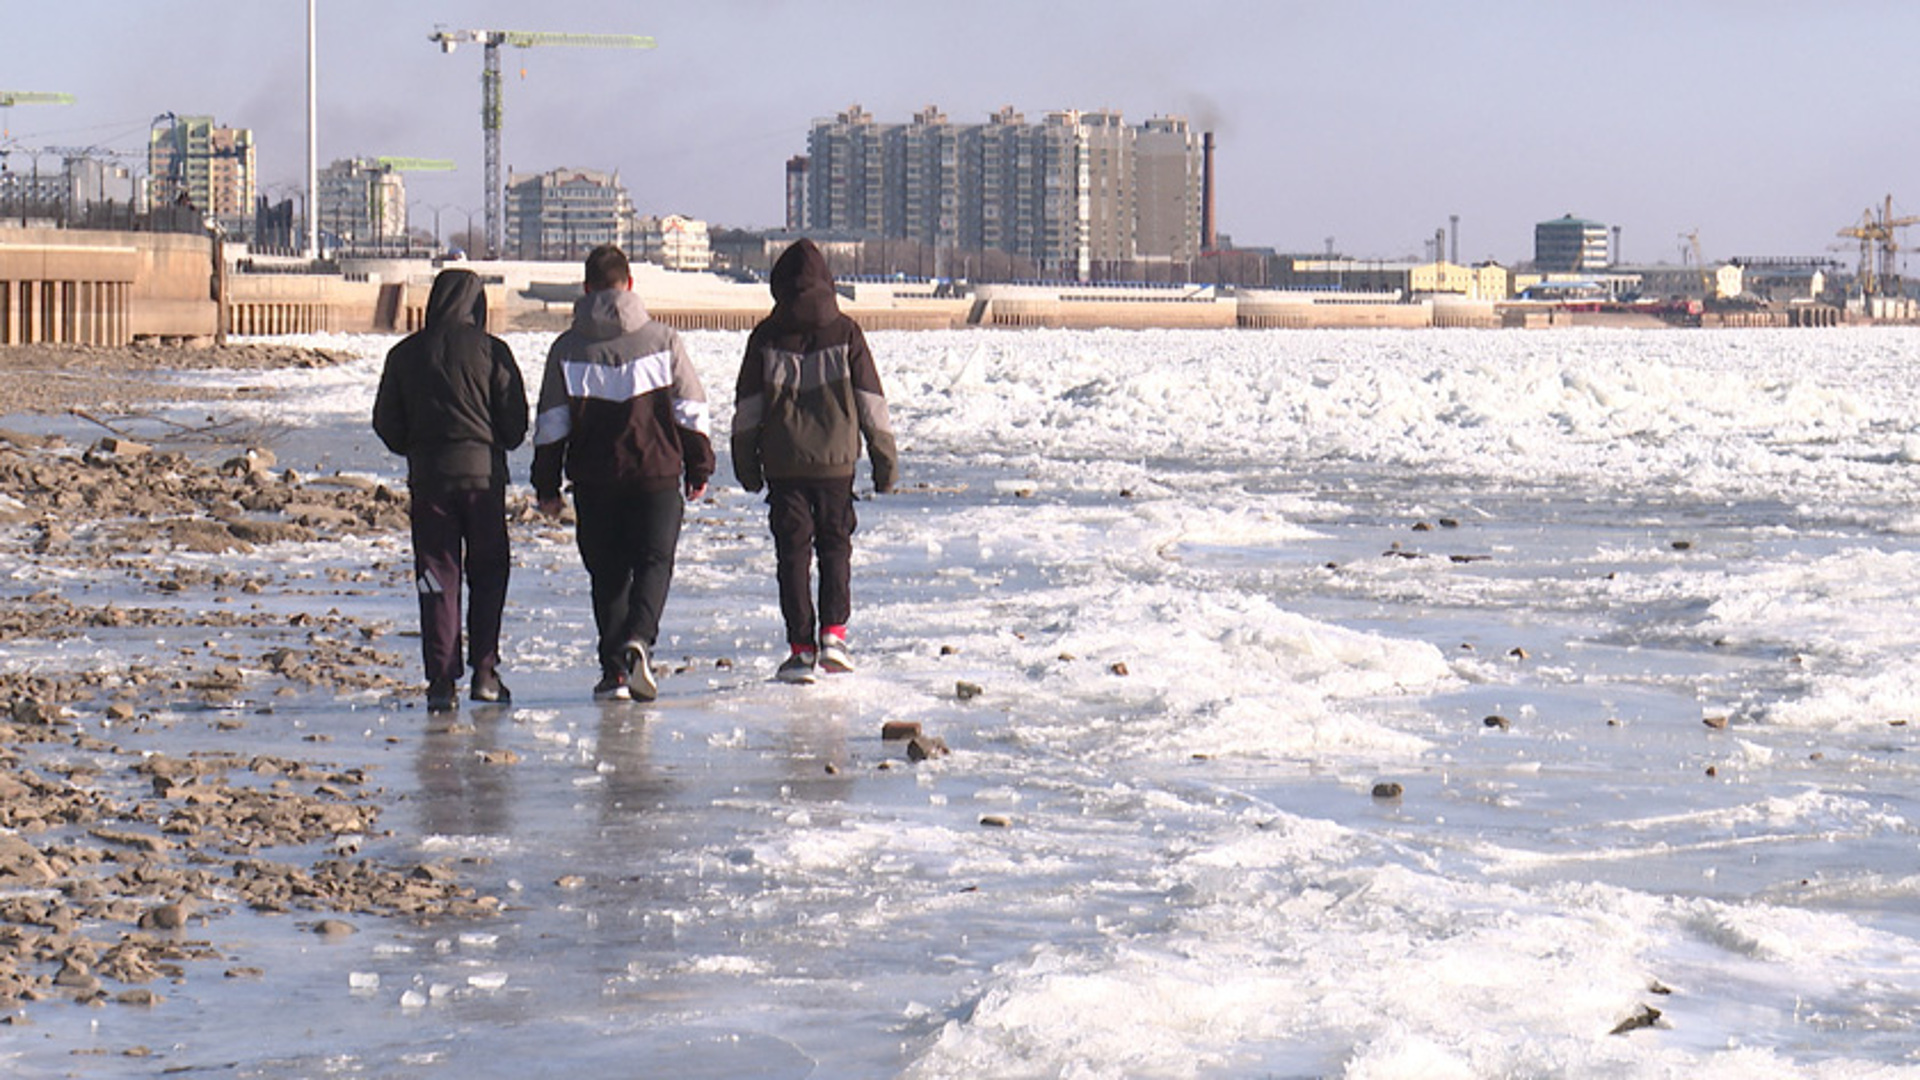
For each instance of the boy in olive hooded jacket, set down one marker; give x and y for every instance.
(807, 394)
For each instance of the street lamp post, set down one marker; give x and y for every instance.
(466, 236)
(438, 247)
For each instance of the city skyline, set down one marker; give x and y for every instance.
(1765, 127)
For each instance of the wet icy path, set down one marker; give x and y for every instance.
(1196, 879)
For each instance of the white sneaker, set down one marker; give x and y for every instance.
(641, 684)
(833, 654)
(797, 668)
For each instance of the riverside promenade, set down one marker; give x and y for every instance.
(67, 286)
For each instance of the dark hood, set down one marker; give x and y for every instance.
(458, 299)
(803, 287)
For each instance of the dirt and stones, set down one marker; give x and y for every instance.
(62, 378)
(118, 860)
(106, 869)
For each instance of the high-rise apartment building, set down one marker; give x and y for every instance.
(1571, 244)
(363, 204)
(561, 215)
(847, 171)
(924, 204)
(1065, 193)
(194, 162)
(1167, 167)
(798, 167)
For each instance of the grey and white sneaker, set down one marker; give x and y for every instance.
(834, 656)
(798, 668)
(640, 681)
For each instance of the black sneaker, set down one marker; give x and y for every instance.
(798, 668)
(641, 685)
(488, 687)
(612, 687)
(442, 697)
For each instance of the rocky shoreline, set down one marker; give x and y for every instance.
(117, 861)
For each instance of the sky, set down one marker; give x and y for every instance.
(1764, 127)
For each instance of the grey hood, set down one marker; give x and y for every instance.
(609, 313)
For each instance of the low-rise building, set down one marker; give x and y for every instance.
(1608, 287)
(675, 242)
(1488, 281)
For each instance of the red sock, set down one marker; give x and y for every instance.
(799, 647)
(836, 631)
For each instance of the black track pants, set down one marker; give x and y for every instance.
(813, 519)
(627, 541)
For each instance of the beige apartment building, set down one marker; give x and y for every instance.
(194, 161)
(673, 241)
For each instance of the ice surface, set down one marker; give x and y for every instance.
(1214, 586)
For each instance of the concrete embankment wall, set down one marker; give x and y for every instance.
(88, 287)
(313, 304)
(1297, 315)
(111, 288)
(85, 287)
(62, 285)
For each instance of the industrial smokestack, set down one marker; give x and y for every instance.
(1453, 237)
(1209, 240)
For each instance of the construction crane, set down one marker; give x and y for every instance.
(95, 152)
(391, 163)
(10, 98)
(414, 164)
(490, 95)
(1877, 235)
(1709, 288)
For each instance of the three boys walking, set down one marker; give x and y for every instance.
(622, 416)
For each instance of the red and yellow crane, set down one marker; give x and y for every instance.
(1878, 233)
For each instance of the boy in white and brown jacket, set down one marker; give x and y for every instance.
(623, 417)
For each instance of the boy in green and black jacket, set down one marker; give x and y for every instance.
(807, 394)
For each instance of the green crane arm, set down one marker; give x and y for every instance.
(10, 98)
(527, 39)
(414, 164)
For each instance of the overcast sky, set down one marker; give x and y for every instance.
(1767, 126)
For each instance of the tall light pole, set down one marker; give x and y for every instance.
(466, 237)
(436, 208)
(310, 248)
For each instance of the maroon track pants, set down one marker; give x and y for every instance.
(460, 535)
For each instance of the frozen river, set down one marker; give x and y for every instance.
(1628, 620)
